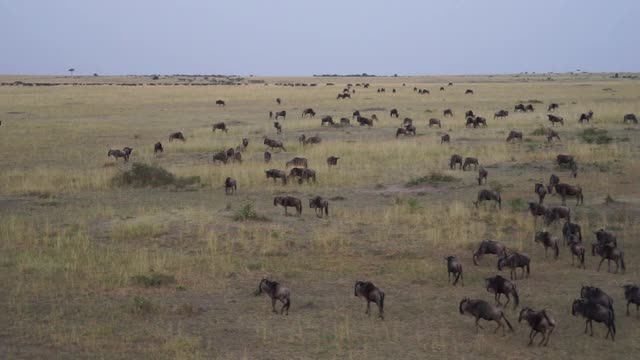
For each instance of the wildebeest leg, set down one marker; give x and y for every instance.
(273, 305)
(590, 326)
(478, 325)
(285, 211)
(586, 326)
(544, 337)
(601, 261)
(368, 312)
(629, 302)
(531, 336)
(457, 277)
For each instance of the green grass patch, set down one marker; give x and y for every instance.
(145, 175)
(153, 280)
(595, 136)
(518, 204)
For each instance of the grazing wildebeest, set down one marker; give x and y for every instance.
(220, 103)
(303, 174)
(278, 127)
(441, 88)
(501, 114)
(326, 120)
(488, 195)
(364, 121)
(394, 113)
(570, 229)
(565, 160)
(275, 291)
(469, 113)
(298, 162)
(555, 213)
(631, 118)
(489, 247)
(519, 107)
(279, 101)
(282, 114)
(309, 112)
(407, 121)
(556, 119)
(455, 159)
(480, 121)
(445, 138)
(372, 294)
(245, 143)
(539, 322)
(468, 162)
(594, 312)
(514, 261)
(541, 191)
(320, 205)
(482, 174)
(288, 201)
(221, 156)
(273, 144)
(553, 106)
(513, 135)
(448, 112)
(177, 136)
(553, 181)
(468, 91)
(549, 241)
(454, 267)
(276, 174)
(471, 121)
(585, 117)
(498, 285)
(551, 134)
(117, 154)
(230, 186)
(332, 161)
(434, 121)
(345, 121)
(220, 126)
(632, 295)
(529, 108)
(267, 156)
(569, 190)
(355, 114)
(606, 237)
(158, 147)
(481, 309)
(608, 253)
(577, 251)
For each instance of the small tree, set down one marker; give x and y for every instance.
(71, 71)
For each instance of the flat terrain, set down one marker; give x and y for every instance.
(92, 269)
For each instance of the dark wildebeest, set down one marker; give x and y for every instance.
(407, 130)
(288, 201)
(127, 152)
(595, 312)
(606, 237)
(267, 157)
(553, 106)
(541, 191)
(220, 126)
(345, 121)
(230, 186)
(570, 229)
(632, 295)
(270, 114)
(448, 112)
(471, 121)
(303, 174)
(220, 103)
(469, 113)
(481, 309)
(455, 159)
(488, 195)
(279, 101)
(564, 159)
(585, 117)
(407, 121)
(274, 144)
(355, 114)
(312, 140)
(278, 127)
(549, 241)
(529, 108)
(480, 121)
(276, 174)
(326, 120)
(332, 161)
(551, 134)
(434, 121)
(489, 247)
(555, 213)
(556, 119)
(482, 174)
(231, 152)
(158, 148)
(298, 162)
(569, 190)
(309, 112)
(577, 251)
(539, 322)
(501, 114)
(553, 181)
(608, 253)
(445, 138)
(372, 294)
(374, 117)
(514, 261)
(454, 267)
(117, 154)
(320, 205)
(597, 296)
(282, 114)
(441, 88)
(302, 138)
(245, 143)
(275, 292)
(468, 162)
(394, 113)
(513, 135)
(364, 121)
(468, 91)
(177, 136)
(537, 209)
(498, 285)
(221, 156)
(519, 108)
(630, 118)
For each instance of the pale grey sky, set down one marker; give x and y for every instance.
(299, 37)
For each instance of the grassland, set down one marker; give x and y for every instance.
(95, 270)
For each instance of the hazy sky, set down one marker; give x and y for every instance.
(300, 37)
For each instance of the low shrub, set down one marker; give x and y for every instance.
(433, 178)
(145, 175)
(595, 136)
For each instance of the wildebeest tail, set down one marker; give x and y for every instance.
(381, 300)
(507, 321)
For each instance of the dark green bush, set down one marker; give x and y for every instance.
(433, 178)
(145, 175)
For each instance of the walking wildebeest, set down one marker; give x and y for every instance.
(276, 174)
(529, 108)
(372, 294)
(303, 174)
(230, 186)
(501, 114)
(631, 118)
(220, 126)
(498, 285)
(282, 114)
(274, 144)
(220, 156)
(594, 312)
(434, 121)
(632, 295)
(606, 237)
(468, 162)
(488, 195)
(332, 161)
(585, 117)
(364, 121)
(158, 148)
(267, 157)
(553, 106)
(482, 174)
(394, 113)
(326, 120)
(177, 136)
(355, 114)
(275, 291)
(454, 267)
(556, 119)
(551, 134)
(519, 108)
(220, 103)
(577, 251)
(549, 241)
(539, 322)
(298, 162)
(571, 229)
(480, 121)
(555, 213)
(468, 91)
(288, 201)
(448, 112)
(489, 247)
(320, 205)
(513, 135)
(569, 190)
(455, 159)
(481, 309)
(309, 112)
(514, 261)
(445, 138)
(608, 253)
(541, 191)
(278, 127)
(117, 154)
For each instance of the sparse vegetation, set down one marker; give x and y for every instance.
(433, 178)
(144, 175)
(153, 280)
(595, 136)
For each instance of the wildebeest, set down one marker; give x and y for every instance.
(282, 114)
(482, 174)
(555, 213)
(632, 295)
(303, 174)
(469, 113)
(394, 113)
(489, 247)
(610, 254)
(540, 322)
(279, 101)
(407, 121)
(513, 135)
(570, 229)
(117, 153)
(270, 114)
(434, 121)
(553, 106)
(298, 162)
(529, 108)
(471, 121)
(455, 159)
(220, 126)
(537, 209)
(158, 148)
(548, 241)
(267, 157)
(288, 201)
(355, 114)
(454, 267)
(374, 117)
(177, 136)
(606, 237)
(308, 111)
(441, 88)
(332, 161)
(541, 191)
(320, 205)
(481, 309)
(468, 161)
(345, 121)
(274, 144)
(577, 251)
(551, 134)
(221, 156)
(553, 181)
(501, 114)
(585, 117)
(372, 294)
(278, 127)
(220, 103)
(519, 107)
(326, 120)
(597, 296)
(311, 140)
(556, 119)
(245, 142)
(480, 121)
(594, 312)
(468, 91)
(407, 130)
(127, 152)
(276, 174)
(343, 96)
(230, 186)
(570, 190)
(445, 138)
(488, 195)
(564, 159)
(498, 285)
(276, 291)
(448, 112)
(630, 118)
(365, 121)
(514, 261)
